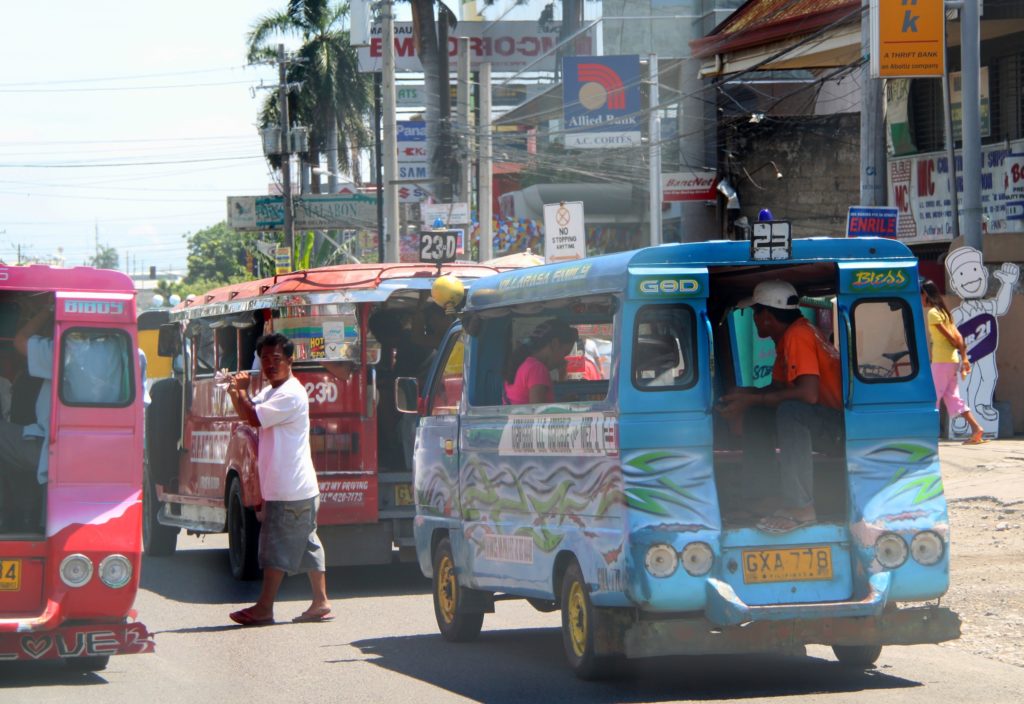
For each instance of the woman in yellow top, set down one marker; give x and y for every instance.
(949, 356)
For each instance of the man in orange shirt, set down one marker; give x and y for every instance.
(803, 404)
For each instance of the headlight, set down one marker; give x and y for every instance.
(661, 560)
(115, 571)
(927, 547)
(697, 558)
(891, 550)
(76, 570)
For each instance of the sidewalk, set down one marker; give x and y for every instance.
(994, 470)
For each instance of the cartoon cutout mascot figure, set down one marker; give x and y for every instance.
(975, 318)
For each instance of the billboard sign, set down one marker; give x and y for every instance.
(601, 101)
(508, 46)
(312, 212)
(448, 213)
(688, 185)
(872, 221)
(908, 39)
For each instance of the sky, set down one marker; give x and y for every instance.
(126, 123)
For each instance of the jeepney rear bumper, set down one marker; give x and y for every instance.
(698, 636)
(727, 625)
(80, 640)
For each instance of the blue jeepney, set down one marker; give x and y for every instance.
(608, 502)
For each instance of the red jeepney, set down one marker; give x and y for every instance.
(201, 473)
(70, 548)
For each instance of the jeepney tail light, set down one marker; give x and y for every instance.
(697, 558)
(891, 550)
(115, 571)
(76, 570)
(927, 548)
(661, 560)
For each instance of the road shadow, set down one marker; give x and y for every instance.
(529, 665)
(201, 576)
(44, 673)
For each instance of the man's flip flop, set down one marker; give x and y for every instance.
(770, 524)
(315, 617)
(244, 617)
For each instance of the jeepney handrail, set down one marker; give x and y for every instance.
(848, 400)
(710, 395)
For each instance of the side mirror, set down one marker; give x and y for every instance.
(407, 394)
(168, 343)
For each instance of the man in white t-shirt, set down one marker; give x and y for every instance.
(288, 484)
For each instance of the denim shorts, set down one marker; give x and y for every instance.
(288, 539)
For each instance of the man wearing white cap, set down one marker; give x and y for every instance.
(802, 404)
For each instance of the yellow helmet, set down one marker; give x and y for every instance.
(447, 291)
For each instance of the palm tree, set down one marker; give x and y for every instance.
(334, 100)
(432, 47)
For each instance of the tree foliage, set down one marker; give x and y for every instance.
(106, 257)
(217, 256)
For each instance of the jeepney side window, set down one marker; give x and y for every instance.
(884, 350)
(226, 339)
(96, 368)
(202, 337)
(447, 391)
(664, 340)
(321, 333)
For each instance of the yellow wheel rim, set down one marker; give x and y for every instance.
(577, 612)
(446, 588)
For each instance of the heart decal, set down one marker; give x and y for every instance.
(36, 646)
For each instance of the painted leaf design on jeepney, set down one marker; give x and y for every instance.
(653, 483)
(927, 488)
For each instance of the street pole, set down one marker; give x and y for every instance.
(390, 142)
(872, 132)
(286, 156)
(464, 121)
(378, 167)
(947, 109)
(483, 199)
(970, 127)
(654, 145)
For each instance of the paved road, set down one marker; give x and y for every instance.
(385, 647)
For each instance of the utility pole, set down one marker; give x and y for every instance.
(654, 147)
(286, 154)
(377, 165)
(970, 132)
(464, 189)
(483, 198)
(390, 145)
(872, 132)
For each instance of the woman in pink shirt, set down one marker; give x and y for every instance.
(527, 370)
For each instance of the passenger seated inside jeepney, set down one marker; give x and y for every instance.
(801, 408)
(527, 371)
(408, 340)
(23, 459)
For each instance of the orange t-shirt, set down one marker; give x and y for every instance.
(805, 351)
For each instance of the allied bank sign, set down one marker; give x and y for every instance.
(601, 101)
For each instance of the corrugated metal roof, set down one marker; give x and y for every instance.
(761, 21)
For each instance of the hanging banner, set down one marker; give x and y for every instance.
(957, 108)
(601, 101)
(919, 188)
(898, 138)
(908, 39)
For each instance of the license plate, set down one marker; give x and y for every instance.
(403, 495)
(787, 564)
(10, 575)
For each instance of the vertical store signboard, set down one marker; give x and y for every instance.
(908, 38)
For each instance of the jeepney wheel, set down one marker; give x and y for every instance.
(455, 626)
(579, 626)
(243, 535)
(857, 655)
(89, 663)
(158, 540)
